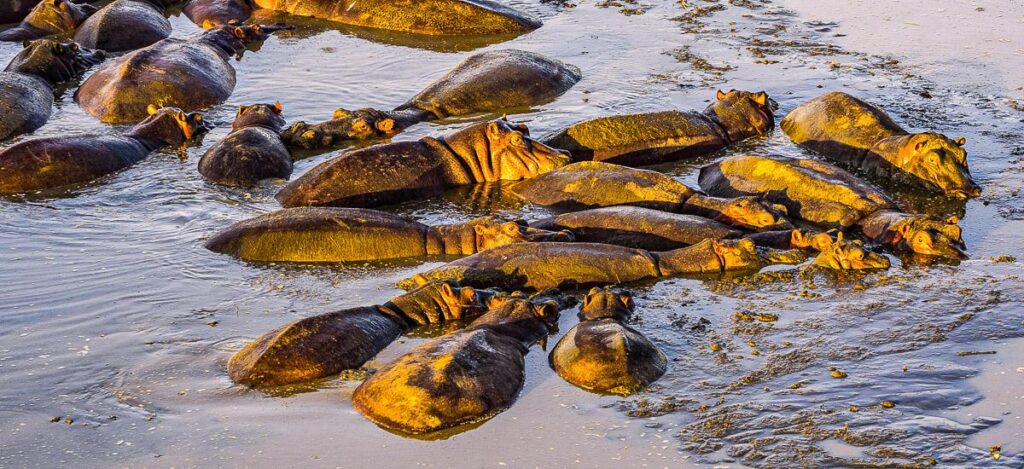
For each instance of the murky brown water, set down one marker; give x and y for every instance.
(112, 313)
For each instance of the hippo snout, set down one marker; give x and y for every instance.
(972, 190)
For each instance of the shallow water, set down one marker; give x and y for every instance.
(113, 315)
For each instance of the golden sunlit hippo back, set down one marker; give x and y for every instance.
(590, 184)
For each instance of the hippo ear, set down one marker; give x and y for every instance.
(761, 98)
(447, 291)
(278, 108)
(152, 109)
(720, 95)
(504, 117)
(241, 110)
(239, 33)
(493, 130)
(961, 141)
(918, 146)
(952, 220)
(420, 280)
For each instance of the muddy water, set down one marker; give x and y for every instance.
(114, 316)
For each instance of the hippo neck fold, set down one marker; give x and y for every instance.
(420, 307)
(457, 240)
(697, 259)
(472, 150)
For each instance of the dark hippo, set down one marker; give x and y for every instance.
(486, 82)
(601, 354)
(13, 11)
(27, 84)
(539, 266)
(592, 184)
(825, 195)
(320, 346)
(841, 254)
(329, 234)
(47, 18)
(637, 227)
(124, 25)
(465, 377)
(252, 152)
(861, 136)
(209, 14)
(191, 74)
(657, 137)
(53, 162)
(396, 172)
(430, 17)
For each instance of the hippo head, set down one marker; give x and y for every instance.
(263, 115)
(170, 125)
(443, 300)
(931, 236)
(849, 255)
(515, 156)
(366, 123)
(492, 233)
(738, 254)
(515, 310)
(54, 61)
(755, 213)
(607, 302)
(810, 239)
(743, 114)
(59, 15)
(940, 162)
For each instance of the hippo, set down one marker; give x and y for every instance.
(658, 137)
(124, 25)
(429, 17)
(396, 172)
(826, 195)
(637, 227)
(54, 162)
(591, 184)
(209, 14)
(252, 152)
(464, 377)
(539, 266)
(13, 11)
(47, 18)
(27, 84)
(841, 254)
(601, 354)
(485, 82)
(863, 137)
(190, 74)
(320, 346)
(331, 234)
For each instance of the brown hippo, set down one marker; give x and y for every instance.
(209, 14)
(485, 82)
(637, 227)
(252, 152)
(320, 346)
(396, 172)
(601, 354)
(863, 137)
(124, 25)
(13, 11)
(657, 137)
(429, 17)
(826, 195)
(53, 162)
(465, 377)
(330, 234)
(27, 84)
(47, 18)
(191, 74)
(590, 184)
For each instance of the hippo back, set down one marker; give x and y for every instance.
(496, 80)
(48, 163)
(606, 356)
(245, 157)
(592, 184)
(123, 25)
(839, 125)
(25, 104)
(13, 11)
(636, 227)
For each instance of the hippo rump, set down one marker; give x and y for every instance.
(124, 25)
(657, 137)
(330, 234)
(47, 18)
(27, 84)
(461, 378)
(602, 354)
(491, 81)
(429, 17)
(637, 227)
(396, 172)
(252, 152)
(863, 137)
(55, 162)
(209, 14)
(593, 184)
(321, 346)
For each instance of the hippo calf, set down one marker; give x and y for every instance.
(329, 234)
(862, 136)
(124, 25)
(209, 14)
(461, 378)
(53, 162)
(602, 354)
(47, 18)
(252, 152)
(396, 172)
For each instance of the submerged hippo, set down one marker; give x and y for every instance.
(637, 227)
(464, 377)
(209, 14)
(602, 354)
(125, 25)
(396, 172)
(825, 195)
(430, 17)
(657, 137)
(485, 82)
(252, 152)
(47, 18)
(863, 137)
(329, 234)
(320, 346)
(27, 84)
(53, 162)
(591, 184)
(190, 74)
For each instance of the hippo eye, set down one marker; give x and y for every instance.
(857, 255)
(517, 139)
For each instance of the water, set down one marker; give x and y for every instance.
(113, 315)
